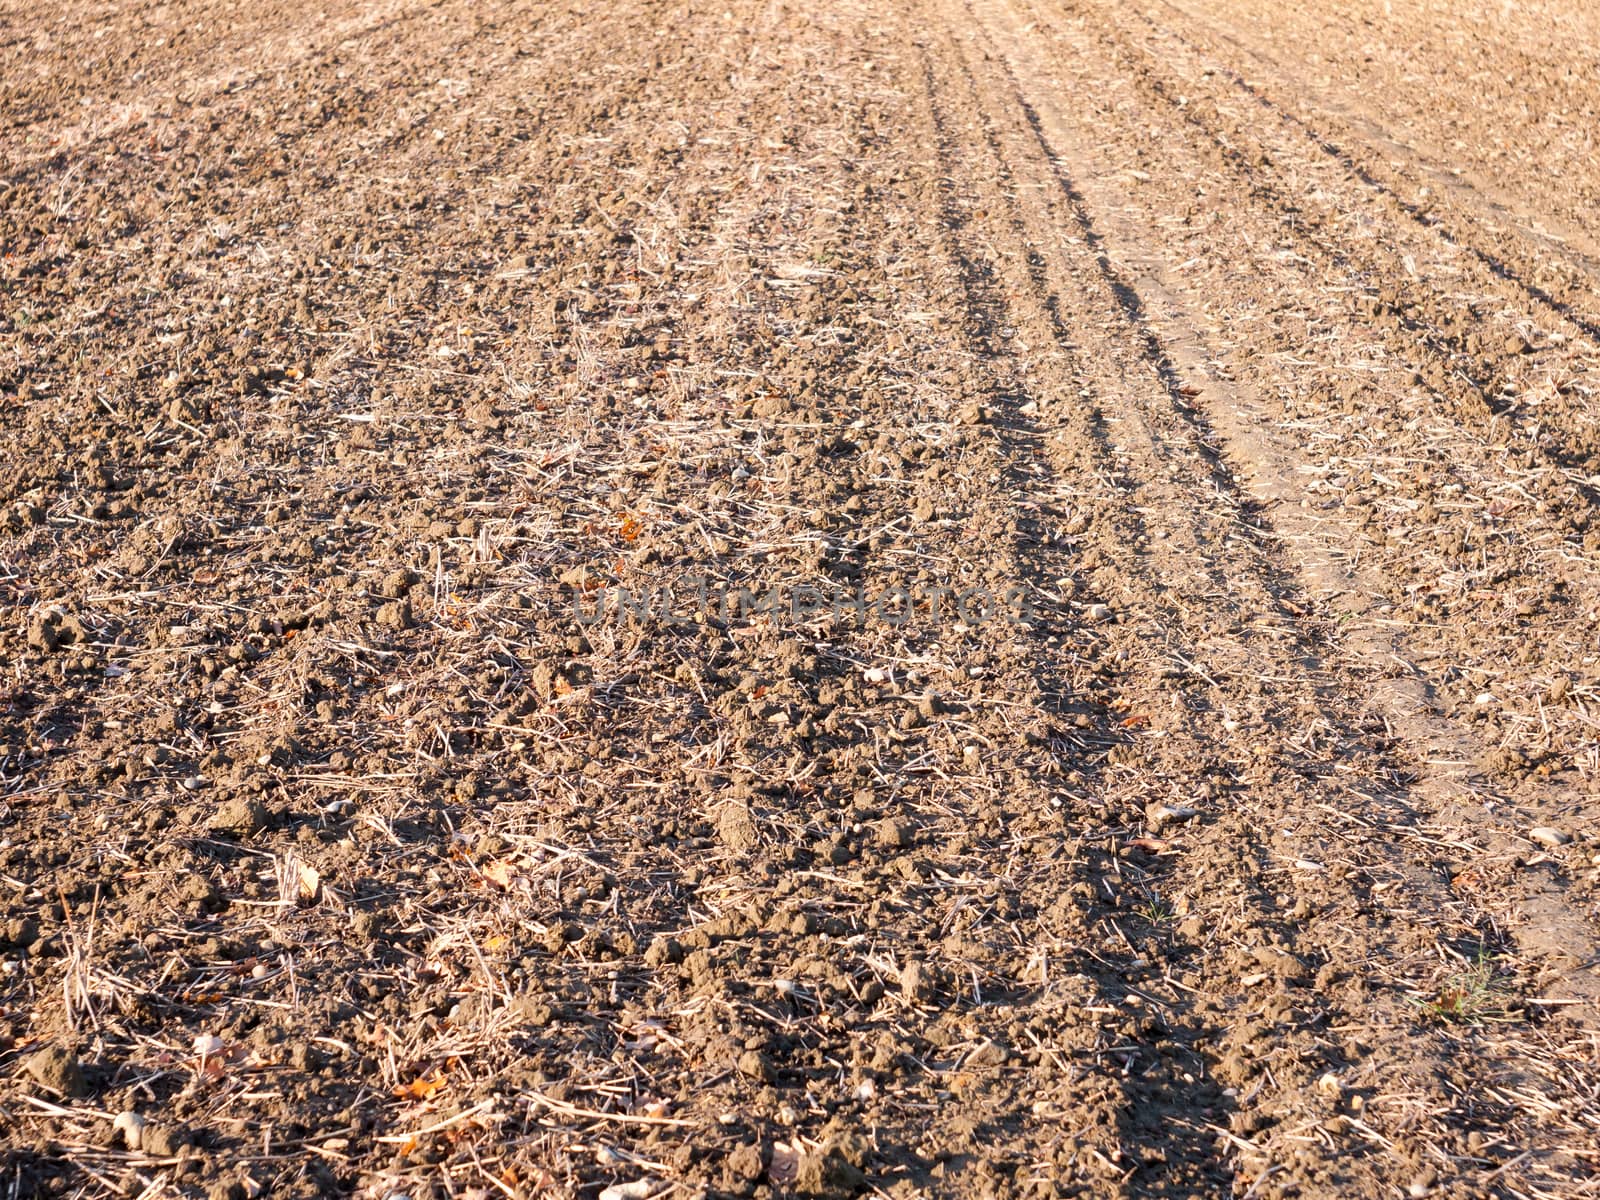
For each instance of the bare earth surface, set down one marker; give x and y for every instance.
(343, 351)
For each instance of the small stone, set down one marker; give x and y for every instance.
(131, 1126)
(1549, 837)
(1158, 816)
(634, 1189)
(58, 1069)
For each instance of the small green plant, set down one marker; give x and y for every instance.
(1474, 996)
(1156, 912)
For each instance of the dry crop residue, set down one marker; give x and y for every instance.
(464, 467)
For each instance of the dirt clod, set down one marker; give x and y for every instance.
(164, 1140)
(240, 816)
(916, 982)
(58, 1070)
(826, 1172)
(895, 834)
(959, 600)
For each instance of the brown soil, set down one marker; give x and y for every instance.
(350, 357)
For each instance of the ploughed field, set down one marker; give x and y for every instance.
(954, 598)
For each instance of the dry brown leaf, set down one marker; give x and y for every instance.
(424, 1087)
(499, 872)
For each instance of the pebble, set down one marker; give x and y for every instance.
(634, 1189)
(1549, 837)
(1159, 815)
(131, 1126)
